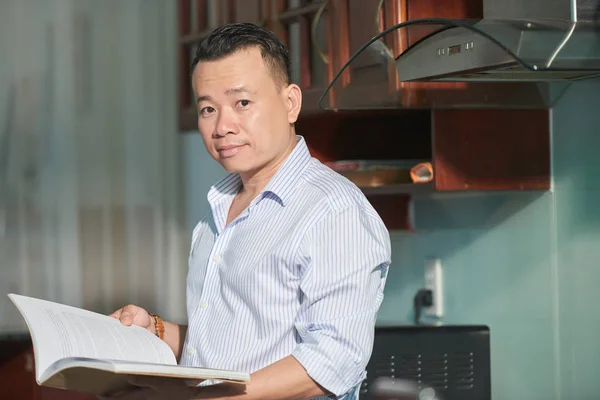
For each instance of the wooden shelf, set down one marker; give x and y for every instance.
(411, 189)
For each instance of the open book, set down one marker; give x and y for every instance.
(84, 351)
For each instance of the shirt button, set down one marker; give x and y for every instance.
(217, 259)
(191, 351)
(203, 304)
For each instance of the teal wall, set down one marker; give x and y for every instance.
(577, 204)
(525, 264)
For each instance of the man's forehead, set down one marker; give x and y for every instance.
(231, 66)
(230, 78)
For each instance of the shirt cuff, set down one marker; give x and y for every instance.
(328, 373)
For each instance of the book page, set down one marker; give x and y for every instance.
(59, 331)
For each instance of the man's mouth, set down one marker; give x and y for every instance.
(229, 150)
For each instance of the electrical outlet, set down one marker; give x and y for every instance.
(434, 282)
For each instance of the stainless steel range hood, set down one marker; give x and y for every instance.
(522, 54)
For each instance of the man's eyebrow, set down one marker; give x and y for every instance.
(202, 98)
(236, 90)
(239, 89)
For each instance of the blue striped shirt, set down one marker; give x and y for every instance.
(300, 272)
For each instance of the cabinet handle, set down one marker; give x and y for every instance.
(313, 31)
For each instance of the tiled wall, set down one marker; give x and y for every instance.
(526, 264)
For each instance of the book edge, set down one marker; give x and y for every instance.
(38, 373)
(114, 367)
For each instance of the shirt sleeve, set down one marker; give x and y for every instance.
(345, 257)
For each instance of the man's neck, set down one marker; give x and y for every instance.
(254, 183)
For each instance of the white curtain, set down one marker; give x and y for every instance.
(91, 202)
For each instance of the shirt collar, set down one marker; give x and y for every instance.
(285, 180)
(281, 184)
(225, 188)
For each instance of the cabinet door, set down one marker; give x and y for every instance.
(363, 17)
(254, 11)
(196, 19)
(369, 73)
(305, 26)
(369, 17)
(455, 9)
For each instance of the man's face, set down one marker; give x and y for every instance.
(244, 116)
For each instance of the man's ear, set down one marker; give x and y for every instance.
(294, 102)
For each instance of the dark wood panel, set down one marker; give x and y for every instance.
(363, 16)
(491, 149)
(393, 210)
(431, 9)
(373, 135)
(248, 11)
(449, 9)
(17, 376)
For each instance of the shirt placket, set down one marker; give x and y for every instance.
(211, 280)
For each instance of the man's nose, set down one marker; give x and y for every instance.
(227, 123)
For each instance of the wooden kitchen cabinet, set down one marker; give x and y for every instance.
(368, 74)
(321, 36)
(374, 135)
(306, 27)
(196, 19)
(254, 11)
(470, 150)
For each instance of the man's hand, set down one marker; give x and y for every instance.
(134, 315)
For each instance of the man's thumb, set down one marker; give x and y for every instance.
(126, 318)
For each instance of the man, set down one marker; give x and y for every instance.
(287, 271)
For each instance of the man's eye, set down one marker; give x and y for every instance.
(206, 110)
(244, 103)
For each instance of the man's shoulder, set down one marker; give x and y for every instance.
(331, 188)
(206, 223)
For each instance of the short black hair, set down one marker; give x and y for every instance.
(229, 38)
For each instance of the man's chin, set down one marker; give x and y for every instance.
(233, 167)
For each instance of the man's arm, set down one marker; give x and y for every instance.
(175, 337)
(346, 258)
(285, 379)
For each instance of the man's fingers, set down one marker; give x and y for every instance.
(132, 314)
(126, 314)
(126, 318)
(123, 315)
(116, 314)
